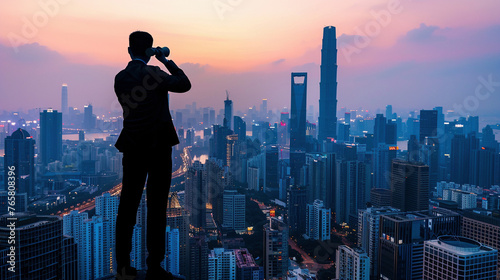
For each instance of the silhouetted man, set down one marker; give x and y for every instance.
(146, 142)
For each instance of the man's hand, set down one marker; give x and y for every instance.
(160, 56)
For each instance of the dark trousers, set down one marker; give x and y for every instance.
(156, 166)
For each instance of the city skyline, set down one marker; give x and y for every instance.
(326, 140)
(436, 59)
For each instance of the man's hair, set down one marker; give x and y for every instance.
(139, 42)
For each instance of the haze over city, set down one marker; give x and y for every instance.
(412, 54)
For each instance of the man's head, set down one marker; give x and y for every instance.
(139, 42)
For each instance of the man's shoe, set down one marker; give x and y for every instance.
(158, 273)
(126, 273)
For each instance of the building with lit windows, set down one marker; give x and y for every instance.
(455, 257)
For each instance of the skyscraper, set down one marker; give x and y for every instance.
(352, 191)
(379, 132)
(50, 136)
(228, 112)
(275, 249)
(234, 210)
(352, 264)
(171, 261)
(89, 119)
(221, 264)
(106, 206)
(410, 186)
(64, 100)
(296, 210)
(328, 86)
(368, 232)
(318, 221)
(298, 112)
(20, 155)
(428, 124)
(271, 171)
(240, 128)
(402, 237)
(388, 112)
(178, 218)
(196, 195)
(198, 257)
(456, 257)
(41, 250)
(482, 228)
(73, 226)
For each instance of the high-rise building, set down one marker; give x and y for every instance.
(402, 237)
(198, 261)
(19, 160)
(215, 183)
(383, 155)
(368, 233)
(69, 258)
(171, 261)
(391, 133)
(95, 260)
(50, 136)
(352, 264)
(253, 178)
(482, 228)
(297, 161)
(271, 171)
(221, 264)
(246, 268)
(89, 119)
(178, 218)
(318, 219)
(234, 210)
(275, 249)
(263, 108)
(456, 257)
(106, 206)
(73, 226)
(352, 191)
(136, 253)
(41, 250)
(196, 195)
(296, 209)
(464, 200)
(428, 124)
(64, 101)
(388, 112)
(410, 186)
(240, 128)
(228, 112)
(218, 143)
(328, 86)
(380, 197)
(298, 112)
(379, 130)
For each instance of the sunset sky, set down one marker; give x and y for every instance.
(413, 54)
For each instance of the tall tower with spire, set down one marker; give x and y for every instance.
(328, 86)
(228, 111)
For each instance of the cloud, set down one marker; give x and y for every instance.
(278, 62)
(346, 39)
(422, 34)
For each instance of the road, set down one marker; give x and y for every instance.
(308, 262)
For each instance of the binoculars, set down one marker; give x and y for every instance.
(155, 51)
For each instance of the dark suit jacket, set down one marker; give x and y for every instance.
(142, 91)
